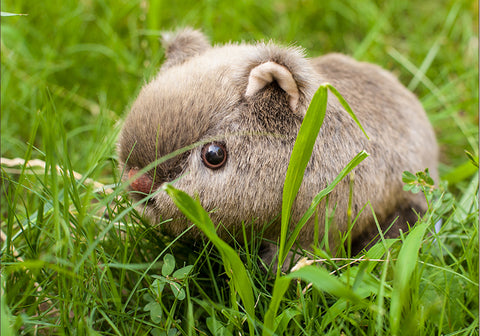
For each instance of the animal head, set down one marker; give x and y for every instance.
(239, 105)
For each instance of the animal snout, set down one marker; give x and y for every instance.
(143, 184)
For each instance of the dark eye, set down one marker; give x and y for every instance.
(214, 155)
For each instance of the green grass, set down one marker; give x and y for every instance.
(77, 260)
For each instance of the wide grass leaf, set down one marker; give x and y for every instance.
(301, 153)
(322, 194)
(234, 268)
(279, 289)
(406, 264)
(322, 280)
(346, 107)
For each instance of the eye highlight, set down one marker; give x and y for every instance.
(214, 155)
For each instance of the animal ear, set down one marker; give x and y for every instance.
(268, 72)
(182, 45)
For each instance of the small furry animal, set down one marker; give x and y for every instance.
(245, 103)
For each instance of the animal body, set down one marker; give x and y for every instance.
(244, 103)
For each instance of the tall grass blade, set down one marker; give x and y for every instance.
(302, 150)
(320, 278)
(5, 313)
(322, 194)
(405, 265)
(234, 268)
(301, 154)
(281, 286)
(468, 200)
(346, 107)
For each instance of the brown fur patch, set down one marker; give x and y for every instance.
(200, 95)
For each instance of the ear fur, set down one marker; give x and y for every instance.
(287, 66)
(266, 73)
(183, 44)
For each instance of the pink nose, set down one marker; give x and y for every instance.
(143, 184)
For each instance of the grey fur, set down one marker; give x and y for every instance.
(199, 94)
(182, 45)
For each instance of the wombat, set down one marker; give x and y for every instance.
(245, 103)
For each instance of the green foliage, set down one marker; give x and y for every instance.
(233, 265)
(405, 265)
(77, 258)
(301, 153)
(421, 181)
(154, 297)
(302, 150)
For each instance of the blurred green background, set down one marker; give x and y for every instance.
(91, 57)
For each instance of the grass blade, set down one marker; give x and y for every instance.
(193, 210)
(322, 280)
(346, 107)
(302, 150)
(301, 154)
(321, 195)
(406, 263)
(281, 286)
